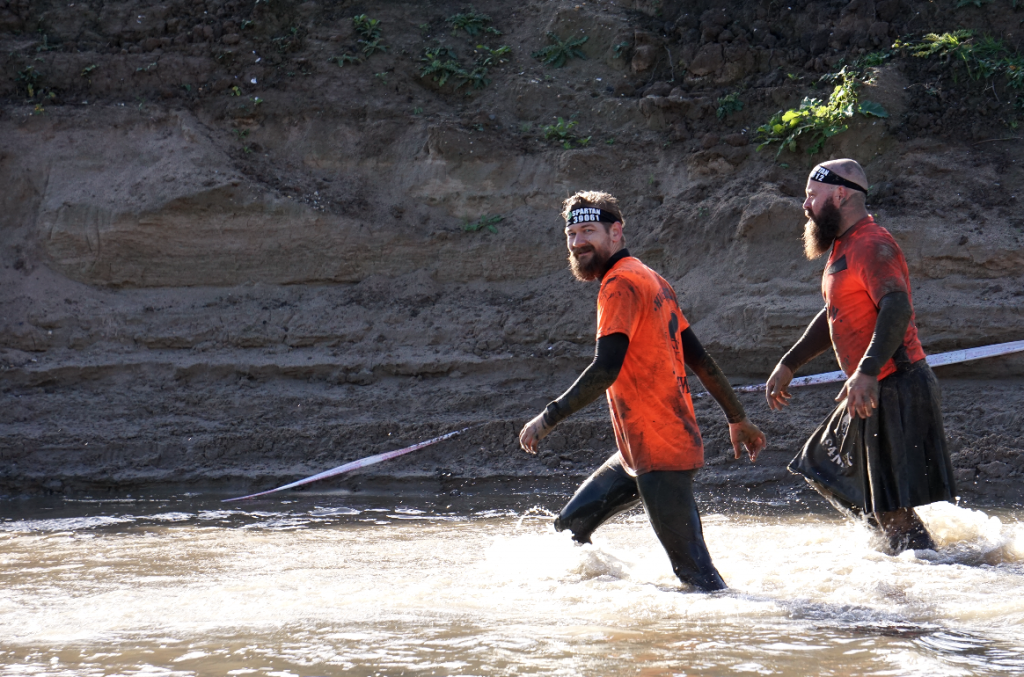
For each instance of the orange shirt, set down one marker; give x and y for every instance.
(655, 427)
(865, 265)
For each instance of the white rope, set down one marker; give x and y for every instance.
(938, 360)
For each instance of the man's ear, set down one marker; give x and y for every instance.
(616, 231)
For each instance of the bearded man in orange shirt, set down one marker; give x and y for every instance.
(644, 345)
(876, 464)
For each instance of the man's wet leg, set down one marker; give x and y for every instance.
(672, 510)
(606, 493)
(904, 530)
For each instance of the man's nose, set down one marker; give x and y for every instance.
(807, 204)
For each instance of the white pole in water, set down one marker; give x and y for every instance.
(354, 465)
(941, 359)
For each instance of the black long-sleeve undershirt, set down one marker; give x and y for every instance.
(608, 359)
(814, 342)
(707, 370)
(595, 379)
(894, 313)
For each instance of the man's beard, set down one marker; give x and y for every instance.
(820, 231)
(587, 272)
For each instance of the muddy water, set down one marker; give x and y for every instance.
(335, 585)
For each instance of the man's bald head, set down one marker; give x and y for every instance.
(847, 169)
(836, 199)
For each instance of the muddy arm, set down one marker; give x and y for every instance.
(595, 379)
(709, 373)
(814, 342)
(894, 314)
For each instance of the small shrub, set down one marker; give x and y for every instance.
(493, 57)
(728, 104)
(472, 23)
(558, 53)
(367, 28)
(817, 121)
(488, 223)
(562, 133)
(28, 80)
(440, 64)
(983, 59)
(346, 58)
(369, 31)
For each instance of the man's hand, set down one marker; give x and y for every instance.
(532, 433)
(861, 393)
(776, 390)
(746, 434)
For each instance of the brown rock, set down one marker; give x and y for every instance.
(231, 39)
(708, 60)
(644, 58)
(710, 140)
(736, 140)
(625, 89)
(658, 89)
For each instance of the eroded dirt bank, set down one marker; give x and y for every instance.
(231, 255)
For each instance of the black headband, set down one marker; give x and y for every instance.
(822, 175)
(590, 215)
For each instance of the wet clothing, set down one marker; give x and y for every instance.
(896, 458)
(865, 265)
(668, 500)
(604, 369)
(609, 355)
(652, 413)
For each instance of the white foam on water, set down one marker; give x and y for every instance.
(466, 596)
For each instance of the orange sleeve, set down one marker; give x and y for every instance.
(618, 307)
(879, 264)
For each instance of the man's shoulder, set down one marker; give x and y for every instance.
(630, 273)
(871, 242)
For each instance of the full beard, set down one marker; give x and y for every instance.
(592, 269)
(821, 231)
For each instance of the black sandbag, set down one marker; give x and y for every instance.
(896, 458)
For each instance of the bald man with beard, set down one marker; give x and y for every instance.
(882, 451)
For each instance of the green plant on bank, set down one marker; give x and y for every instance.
(367, 28)
(983, 59)
(488, 223)
(472, 23)
(558, 53)
(728, 104)
(816, 121)
(28, 80)
(87, 71)
(858, 67)
(493, 57)
(619, 47)
(382, 76)
(240, 134)
(345, 59)
(440, 65)
(369, 31)
(562, 133)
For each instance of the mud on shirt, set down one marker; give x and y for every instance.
(865, 265)
(652, 413)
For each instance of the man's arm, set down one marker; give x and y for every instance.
(742, 432)
(595, 379)
(861, 389)
(814, 342)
